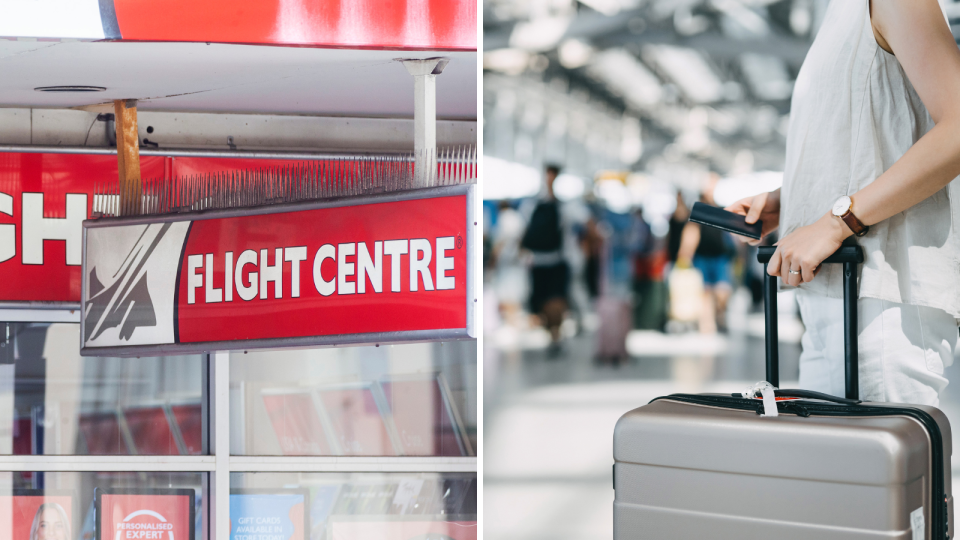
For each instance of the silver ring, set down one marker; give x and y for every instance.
(794, 272)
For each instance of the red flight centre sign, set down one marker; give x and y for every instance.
(380, 269)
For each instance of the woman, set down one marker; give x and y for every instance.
(872, 150)
(50, 523)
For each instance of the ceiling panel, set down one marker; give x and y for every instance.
(231, 78)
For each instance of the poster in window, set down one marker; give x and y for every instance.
(268, 514)
(30, 514)
(145, 514)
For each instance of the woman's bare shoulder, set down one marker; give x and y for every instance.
(894, 18)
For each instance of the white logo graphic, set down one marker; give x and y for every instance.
(144, 531)
(131, 284)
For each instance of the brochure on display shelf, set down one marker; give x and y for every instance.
(396, 416)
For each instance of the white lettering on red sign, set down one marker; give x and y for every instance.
(325, 288)
(211, 294)
(8, 233)
(270, 273)
(420, 264)
(352, 276)
(294, 256)
(144, 530)
(194, 280)
(36, 228)
(444, 263)
(345, 269)
(394, 249)
(370, 267)
(228, 281)
(246, 292)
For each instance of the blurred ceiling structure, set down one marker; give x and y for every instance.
(664, 86)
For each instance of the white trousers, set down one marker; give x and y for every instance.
(903, 349)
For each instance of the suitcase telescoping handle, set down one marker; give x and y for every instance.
(850, 257)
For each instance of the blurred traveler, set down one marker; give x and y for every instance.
(575, 213)
(708, 249)
(511, 275)
(622, 235)
(649, 285)
(591, 242)
(685, 284)
(489, 224)
(549, 273)
(678, 220)
(872, 152)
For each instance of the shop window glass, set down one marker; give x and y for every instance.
(393, 400)
(355, 506)
(53, 401)
(66, 502)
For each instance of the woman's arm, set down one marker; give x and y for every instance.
(916, 32)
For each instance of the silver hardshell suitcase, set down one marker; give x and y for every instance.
(718, 466)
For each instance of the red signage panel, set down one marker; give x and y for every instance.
(318, 258)
(377, 269)
(44, 199)
(378, 24)
(145, 514)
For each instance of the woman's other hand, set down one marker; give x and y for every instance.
(804, 249)
(765, 207)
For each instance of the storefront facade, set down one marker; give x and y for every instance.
(332, 438)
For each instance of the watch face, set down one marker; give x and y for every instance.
(841, 206)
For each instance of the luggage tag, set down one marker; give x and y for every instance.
(917, 524)
(769, 398)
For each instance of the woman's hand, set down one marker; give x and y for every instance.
(804, 249)
(765, 206)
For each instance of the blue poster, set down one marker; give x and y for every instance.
(268, 516)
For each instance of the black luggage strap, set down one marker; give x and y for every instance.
(810, 394)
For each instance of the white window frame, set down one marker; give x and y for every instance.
(219, 463)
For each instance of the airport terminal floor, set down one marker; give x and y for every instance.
(549, 421)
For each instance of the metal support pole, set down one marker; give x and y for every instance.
(220, 516)
(424, 73)
(424, 112)
(851, 353)
(6, 394)
(770, 321)
(128, 156)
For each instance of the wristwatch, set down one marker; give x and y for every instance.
(841, 209)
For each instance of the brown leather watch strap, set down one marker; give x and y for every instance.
(857, 226)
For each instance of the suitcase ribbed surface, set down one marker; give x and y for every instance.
(691, 467)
